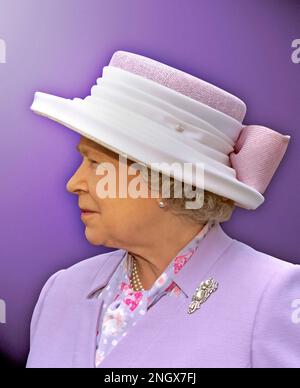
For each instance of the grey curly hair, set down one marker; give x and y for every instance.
(214, 207)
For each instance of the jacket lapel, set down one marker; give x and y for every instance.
(84, 352)
(89, 312)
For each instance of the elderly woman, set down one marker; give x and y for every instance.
(177, 291)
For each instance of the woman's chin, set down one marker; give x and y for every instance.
(93, 237)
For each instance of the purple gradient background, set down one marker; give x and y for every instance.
(60, 47)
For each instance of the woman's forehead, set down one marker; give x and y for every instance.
(90, 144)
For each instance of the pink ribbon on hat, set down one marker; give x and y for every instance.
(257, 155)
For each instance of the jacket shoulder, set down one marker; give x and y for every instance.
(247, 273)
(262, 264)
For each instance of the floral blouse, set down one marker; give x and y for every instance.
(123, 306)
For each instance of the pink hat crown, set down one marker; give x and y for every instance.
(184, 83)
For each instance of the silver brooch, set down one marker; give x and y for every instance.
(203, 292)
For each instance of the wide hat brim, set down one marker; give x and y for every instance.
(144, 146)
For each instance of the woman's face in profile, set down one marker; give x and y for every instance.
(112, 221)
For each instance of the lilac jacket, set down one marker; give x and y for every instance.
(251, 321)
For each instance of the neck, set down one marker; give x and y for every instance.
(154, 258)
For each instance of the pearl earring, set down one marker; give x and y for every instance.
(161, 204)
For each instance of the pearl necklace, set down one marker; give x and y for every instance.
(136, 283)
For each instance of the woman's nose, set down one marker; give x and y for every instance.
(77, 182)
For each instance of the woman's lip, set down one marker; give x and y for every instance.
(87, 213)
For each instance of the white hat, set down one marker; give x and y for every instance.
(153, 113)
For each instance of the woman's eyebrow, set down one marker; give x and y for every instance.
(82, 150)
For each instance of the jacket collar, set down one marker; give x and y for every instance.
(210, 250)
(189, 277)
(106, 271)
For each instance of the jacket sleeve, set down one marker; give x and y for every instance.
(39, 306)
(276, 333)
